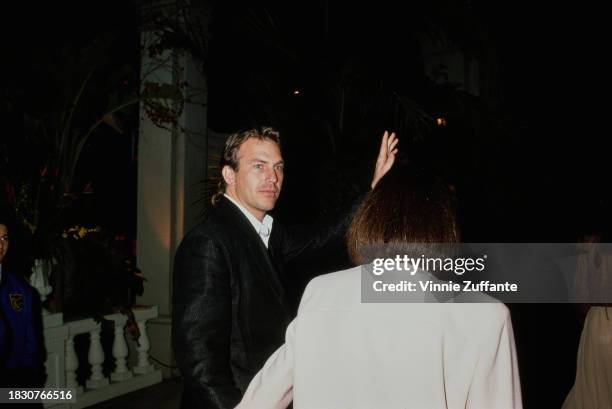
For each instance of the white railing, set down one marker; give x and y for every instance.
(62, 373)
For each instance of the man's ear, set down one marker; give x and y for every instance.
(229, 175)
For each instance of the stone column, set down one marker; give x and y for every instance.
(171, 163)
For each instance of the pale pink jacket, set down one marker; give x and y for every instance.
(342, 353)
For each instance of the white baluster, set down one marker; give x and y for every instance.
(71, 364)
(120, 352)
(143, 366)
(96, 358)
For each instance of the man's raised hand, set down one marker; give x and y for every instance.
(386, 156)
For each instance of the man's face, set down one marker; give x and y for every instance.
(259, 178)
(3, 241)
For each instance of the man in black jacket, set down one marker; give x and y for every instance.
(230, 309)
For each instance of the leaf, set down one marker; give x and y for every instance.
(111, 120)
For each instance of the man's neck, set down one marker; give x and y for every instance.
(258, 214)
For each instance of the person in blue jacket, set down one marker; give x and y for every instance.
(20, 363)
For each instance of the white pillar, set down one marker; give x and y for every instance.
(96, 359)
(143, 366)
(171, 162)
(120, 351)
(71, 365)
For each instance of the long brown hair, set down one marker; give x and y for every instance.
(407, 206)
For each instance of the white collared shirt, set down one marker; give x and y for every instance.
(263, 228)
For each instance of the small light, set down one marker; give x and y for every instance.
(441, 121)
(296, 92)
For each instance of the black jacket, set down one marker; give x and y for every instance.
(230, 307)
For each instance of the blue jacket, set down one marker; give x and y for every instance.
(18, 339)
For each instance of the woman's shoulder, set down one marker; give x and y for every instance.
(336, 286)
(479, 313)
(339, 279)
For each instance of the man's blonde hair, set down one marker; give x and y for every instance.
(229, 157)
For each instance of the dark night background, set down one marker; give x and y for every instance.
(528, 158)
